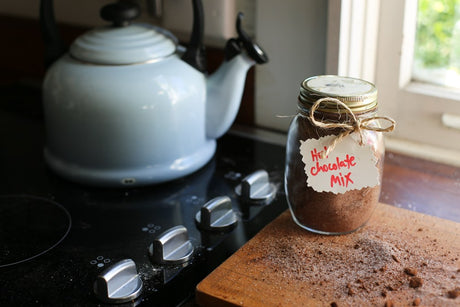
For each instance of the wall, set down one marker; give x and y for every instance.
(81, 13)
(220, 15)
(293, 33)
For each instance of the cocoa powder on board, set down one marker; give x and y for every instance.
(384, 263)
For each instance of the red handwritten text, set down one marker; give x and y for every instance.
(341, 180)
(315, 155)
(348, 162)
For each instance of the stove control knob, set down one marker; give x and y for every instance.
(119, 283)
(171, 247)
(217, 214)
(256, 188)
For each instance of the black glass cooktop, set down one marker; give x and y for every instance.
(56, 236)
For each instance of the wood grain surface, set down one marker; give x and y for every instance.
(400, 257)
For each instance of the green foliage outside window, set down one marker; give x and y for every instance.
(438, 34)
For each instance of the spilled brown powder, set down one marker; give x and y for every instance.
(389, 303)
(410, 271)
(415, 282)
(377, 267)
(454, 293)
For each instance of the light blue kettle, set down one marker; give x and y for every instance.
(125, 107)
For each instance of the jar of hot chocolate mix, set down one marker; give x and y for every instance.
(334, 154)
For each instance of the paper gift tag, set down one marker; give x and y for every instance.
(350, 166)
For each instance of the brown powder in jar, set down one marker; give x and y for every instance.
(326, 211)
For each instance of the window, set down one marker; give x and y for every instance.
(437, 43)
(380, 47)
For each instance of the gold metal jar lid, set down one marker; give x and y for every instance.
(358, 95)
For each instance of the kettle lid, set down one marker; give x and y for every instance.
(136, 43)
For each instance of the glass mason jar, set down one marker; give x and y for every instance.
(329, 212)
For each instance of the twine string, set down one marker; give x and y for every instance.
(355, 125)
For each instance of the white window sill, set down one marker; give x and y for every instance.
(423, 151)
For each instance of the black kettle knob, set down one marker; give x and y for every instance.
(120, 13)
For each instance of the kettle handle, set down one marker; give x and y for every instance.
(54, 45)
(195, 55)
(234, 46)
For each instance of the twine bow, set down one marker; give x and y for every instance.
(356, 124)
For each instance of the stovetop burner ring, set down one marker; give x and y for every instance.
(30, 226)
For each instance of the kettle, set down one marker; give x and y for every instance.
(127, 106)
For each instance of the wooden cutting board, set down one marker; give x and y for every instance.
(400, 257)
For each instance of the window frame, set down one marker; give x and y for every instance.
(376, 43)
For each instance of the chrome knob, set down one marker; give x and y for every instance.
(171, 247)
(256, 188)
(217, 214)
(119, 283)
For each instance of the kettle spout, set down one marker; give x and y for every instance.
(224, 91)
(225, 87)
